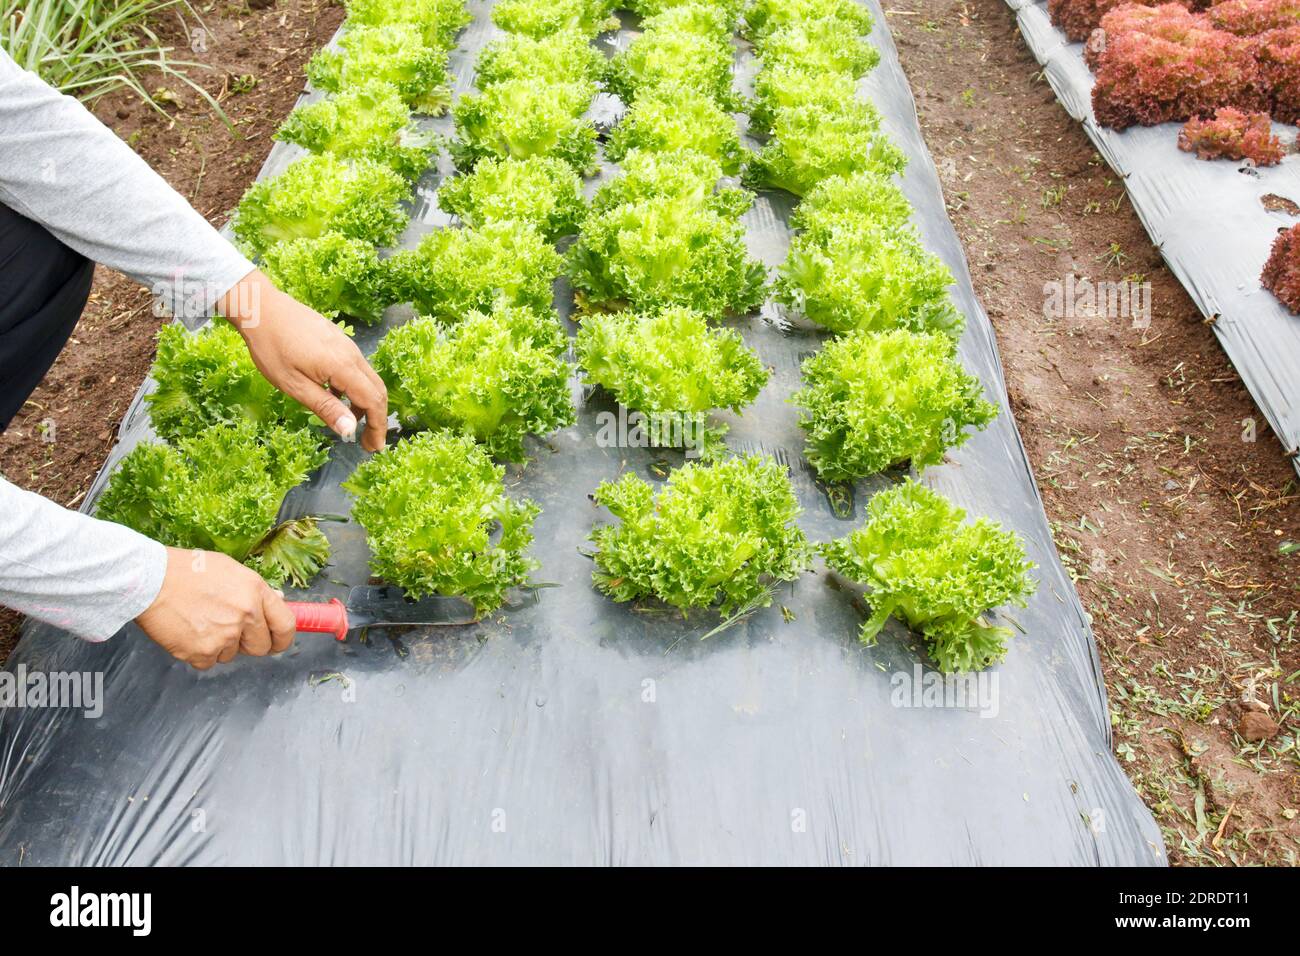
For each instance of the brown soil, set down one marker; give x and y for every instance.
(255, 57)
(1169, 497)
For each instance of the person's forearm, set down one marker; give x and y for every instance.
(87, 576)
(64, 169)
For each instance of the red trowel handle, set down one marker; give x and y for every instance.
(315, 617)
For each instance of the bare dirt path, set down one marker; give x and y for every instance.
(255, 56)
(1169, 498)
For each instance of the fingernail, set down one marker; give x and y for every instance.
(346, 426)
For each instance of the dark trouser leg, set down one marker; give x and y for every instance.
(43, 289)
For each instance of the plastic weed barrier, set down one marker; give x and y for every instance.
(567, 729)
(1214, 223)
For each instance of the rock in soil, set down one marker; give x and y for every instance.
(1256, 726)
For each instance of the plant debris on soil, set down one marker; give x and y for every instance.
(1173, 505)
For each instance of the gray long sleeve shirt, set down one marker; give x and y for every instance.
(64, 169)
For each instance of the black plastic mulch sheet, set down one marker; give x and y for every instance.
(1213, 221)
(572, 730)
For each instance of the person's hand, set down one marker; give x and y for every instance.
(211, 608)
(301, 352)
